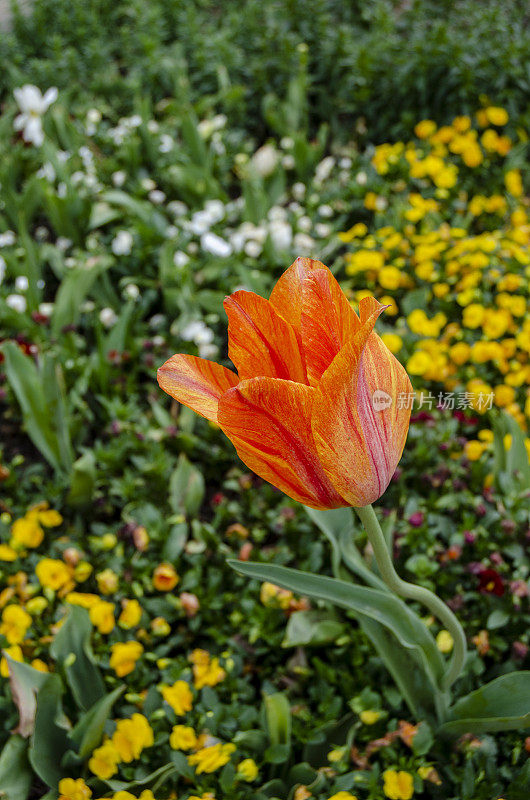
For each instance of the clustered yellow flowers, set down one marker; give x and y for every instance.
(468, 257)
(77, 789)
(130, 738)
(27, 532)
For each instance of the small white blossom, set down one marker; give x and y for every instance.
(303, 243)
(197, 331)
(131, 291)
(153, 126)
(322, 229)
(361, 178)
(253, 248)
(177, 208)
(156, 321)
(63, 243)
(47, 172)
(345, 163)
(281, 235)
(180, 259)
(286, 143)
(299, 190)
(108, 317)
(17, 302)
(21, 283)
(157, 196)
(305, 224)
(325, 211)
(2, 269)
(119, 177)
(167, 143)
(288, 162)
(323, 170)
(265, 160)
(7, 238)
(122, 243)
(32, 104)
(46, 309)
(211, 243)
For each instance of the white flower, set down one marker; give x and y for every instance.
(2, 269)
(298, 190)
(253, 249)
(305, 224)
(46, 309)
(265, 160)
(322, 229)
(286, 143)
(93, 115)
(7, 238)
(208, 350)
(211, 243)
(361, 178)
(153, 126)
(177, 208)
(198, 332)
(63, 243)
(148, 184)
(131, 291)
(167, 143)
(17, 302)
(33, 104)
(119, 177)
(180, 259)
(215, 210)
(381, 203)
(288, 162)
(345, 163)
(157, 196)
(108, 317)
(281, 234)
(156, 321)
(303, 243)
(122, 243)
(323, 170)
(325, 211)
(47, 172)
(21, 283)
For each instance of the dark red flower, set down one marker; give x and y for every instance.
(490, 582)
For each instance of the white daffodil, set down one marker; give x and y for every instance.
(33, 104)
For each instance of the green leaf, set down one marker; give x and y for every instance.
(49, 742)
(15, 772)
(82, 481)
(501, 705)
(27, 384)
(312, 627)
(381, 606)
(278, 718)
(88, 732)
(186, 488)
(24, 682)
(73, 289)
(83, 676)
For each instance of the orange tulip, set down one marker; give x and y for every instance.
(302, 412)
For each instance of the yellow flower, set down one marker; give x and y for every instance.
(343, 796)
(104, 761)
(419, 363)
(102, 616)
(392, 341)
(425, 128)
(107, 581)
(39, 665)
(52, 573)
(444, 642)
(131, 736)
(513, 182)
(36, 605)
(48, 517)
(160, 626)
(248, 770)
(272, 595)
(504, 395)
(178, 696)
(473, 315)
(474, 449)
(15, 623)
(124, 657)
(398, 785)
(211, 758)
(496, 116)
(74, 789)
(7, 553)
(357, 232)
(389, 277)
(206, 671)
(369, 717)
(26, 532)
(165, 577)
(83, 599)
(13, 652)
(130, 615)
(459, 353)
(182, 738)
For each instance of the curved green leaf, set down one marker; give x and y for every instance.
(15, 772)
(501, 705)
(49, 742)
(88, 732)
(82, 673)
(380, 606)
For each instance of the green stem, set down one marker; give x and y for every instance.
(413, 592)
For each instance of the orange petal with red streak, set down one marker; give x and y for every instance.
(359, 447)
(260, 341)
(196, 383)
(327, 322)
(286, 297)
(269, 423)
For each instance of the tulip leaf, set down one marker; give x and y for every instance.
(278, 716)
(501, 705)
(25, 682)
(380, 606)
(71, 647)
(49, 742)
(314, 627)
(15, 772)
(88, 732)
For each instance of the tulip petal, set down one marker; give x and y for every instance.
(269, 422)
(260, 341)
(359, 445)
(196, 383)
(286, 297)
(327, 322)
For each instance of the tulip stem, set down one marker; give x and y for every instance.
(410, 590)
